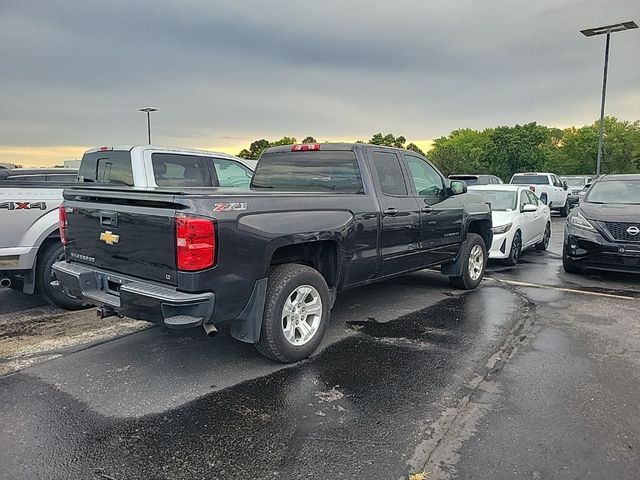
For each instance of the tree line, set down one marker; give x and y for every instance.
(506, 150)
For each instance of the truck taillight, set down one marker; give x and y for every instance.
(305, 147)
(195, 243)
(63, 224)
(532, 188)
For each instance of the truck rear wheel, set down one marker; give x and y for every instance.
(44, 276)
(296, 313)
(474, 254)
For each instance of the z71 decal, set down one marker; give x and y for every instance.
(229, 207)
(23, 205)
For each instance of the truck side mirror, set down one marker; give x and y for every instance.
(458, 187)
(565, 186)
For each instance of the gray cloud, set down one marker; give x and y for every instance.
(74, 72)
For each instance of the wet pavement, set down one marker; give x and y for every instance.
(412, 375)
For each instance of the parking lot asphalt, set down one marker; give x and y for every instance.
(533, 375)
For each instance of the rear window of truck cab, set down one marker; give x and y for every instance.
(309, 171)
(530, 180)
(111, 167)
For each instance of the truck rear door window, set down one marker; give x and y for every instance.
(110, 167)
(309, 171)
(390, 175)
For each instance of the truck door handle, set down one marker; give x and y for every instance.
(426, 209)
(390, 211)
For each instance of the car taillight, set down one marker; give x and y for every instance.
(532, 188)
(305, 147)
(63, 224)
(195, 243)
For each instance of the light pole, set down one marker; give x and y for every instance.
(608, 30)
(148, 110)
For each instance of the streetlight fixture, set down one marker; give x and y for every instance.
(148, 110)
(608, 30)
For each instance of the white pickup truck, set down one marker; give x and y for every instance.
(548, 187)
(29, 201)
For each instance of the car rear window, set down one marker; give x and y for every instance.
(530, 180)
(110, 167)
(309, 171)
(468, 179)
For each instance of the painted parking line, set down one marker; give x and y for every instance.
(561, 289)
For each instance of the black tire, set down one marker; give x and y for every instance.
(465, 281)
(567, 265)
(283, 281)
(50, 254)
(564, 211)
(544, 244)
(515, 251)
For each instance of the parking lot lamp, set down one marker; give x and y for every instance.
(608, 30)
(148, 110)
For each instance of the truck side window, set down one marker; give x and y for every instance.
(232, 174)
(389, 173)
(176, 170)
(426, 179)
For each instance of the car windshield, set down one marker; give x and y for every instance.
(501, 200)
(575, 182)
(530, 180)
(615, 191)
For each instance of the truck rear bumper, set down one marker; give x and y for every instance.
(135, 298)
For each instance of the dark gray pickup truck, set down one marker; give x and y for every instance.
(318, 218)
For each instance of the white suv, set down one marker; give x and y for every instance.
(548, 187)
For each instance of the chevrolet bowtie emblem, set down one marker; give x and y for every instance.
(109, 237)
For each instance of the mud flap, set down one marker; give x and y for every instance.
(246, 327)
(454, 269)
(29, 280)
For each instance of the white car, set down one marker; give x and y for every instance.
(520, 220)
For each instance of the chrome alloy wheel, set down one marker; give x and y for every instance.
(476, 262)
(301, 315)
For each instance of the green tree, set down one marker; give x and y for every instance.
(516, 149)
(309, 140)
(462, 151)
(621, 152)
(413, 147)
(255, 149)
(388, 140)
(284, 141)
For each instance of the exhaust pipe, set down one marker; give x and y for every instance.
(104, 312)
(210, 329)
(5, 282)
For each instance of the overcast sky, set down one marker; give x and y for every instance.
(223, 73)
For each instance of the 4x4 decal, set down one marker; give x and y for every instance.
(23, 205)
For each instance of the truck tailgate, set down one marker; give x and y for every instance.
(125, 232)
